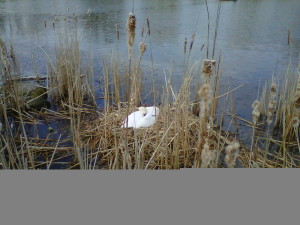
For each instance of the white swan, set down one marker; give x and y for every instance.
(144, 117)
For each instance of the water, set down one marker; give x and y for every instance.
(252, 35)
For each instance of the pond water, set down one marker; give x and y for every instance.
(252, 35)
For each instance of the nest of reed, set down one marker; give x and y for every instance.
(171, 143)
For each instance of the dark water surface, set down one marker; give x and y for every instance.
(252, 35)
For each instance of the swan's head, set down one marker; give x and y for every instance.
(143, 110)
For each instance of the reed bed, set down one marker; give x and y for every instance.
(187, 134)
(172, 143)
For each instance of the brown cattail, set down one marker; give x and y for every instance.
(297, 96)
(271, 111)
(232, 152)
(143, 48)
(272, 103)
(295, 120)
(117, 32)
(131, 22)
(273, 90)
(143, 29)
(192, 42)
(148, 25)
(256, 111)
(256, 104)
(205, 94)
(3, 48)
(185, 43)
(208, 156)
(208, 67)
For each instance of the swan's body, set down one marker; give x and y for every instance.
(144, 117)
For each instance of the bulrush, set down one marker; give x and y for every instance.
(256, 111)
(296, 112)
(205, 94)
(272, 103)
(192, 42)
(184, 46)
(232, 152)
(208, 156)
(142, 48)
(205, 91)
(297, 101)
(131, 22)
(208, 67)
(256, 105)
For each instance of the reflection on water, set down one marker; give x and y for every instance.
(252, 34)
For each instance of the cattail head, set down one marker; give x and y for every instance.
(297, 99)
(205, 92)
(270, 111)
(256, 104)
(192, 42)
(272, 103)
(273, 90)
(185, 43)
(255, 115)
(143, 29)
(208, 156)
(256, 111)
(3, 48)
(297, 104)
(208, 68)
(297, 96)
(131, 22)
(148, 25)
(232, 152)
(142, 48)
(117, 32)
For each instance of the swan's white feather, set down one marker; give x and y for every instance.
(138, 119)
